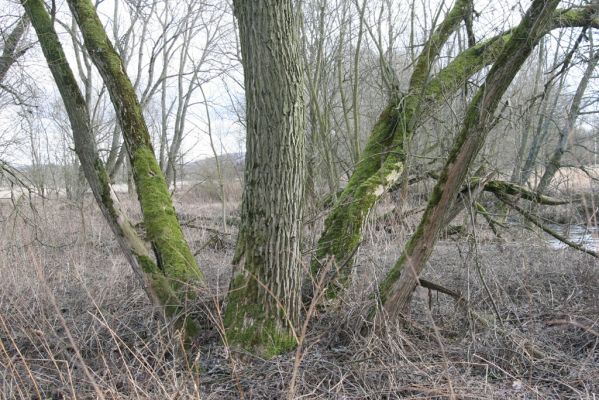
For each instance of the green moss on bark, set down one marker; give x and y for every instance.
(157, 285)
(175, 266)
(466, 64)
(162, 227)
(396, 289)
(343, 227)
(383, 159)
(169, 298)
(109, 63)
(433, 46)
(250, 327)
(160, 219)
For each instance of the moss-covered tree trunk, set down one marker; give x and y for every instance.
(382, 161)
(263, 304)
(162, 228)
(134, 247)
(399, 284)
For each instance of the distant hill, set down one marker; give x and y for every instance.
(232, 165)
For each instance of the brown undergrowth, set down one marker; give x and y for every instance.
(74, 322)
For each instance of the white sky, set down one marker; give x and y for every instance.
(495, 16)
(228, 136)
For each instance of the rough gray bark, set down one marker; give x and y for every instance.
(263, 304)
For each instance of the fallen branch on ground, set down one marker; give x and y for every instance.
(504, 187)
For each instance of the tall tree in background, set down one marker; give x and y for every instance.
(263, 304)
(565, 134)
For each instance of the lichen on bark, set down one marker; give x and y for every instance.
(343, 226)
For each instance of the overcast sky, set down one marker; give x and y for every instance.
(43, 116)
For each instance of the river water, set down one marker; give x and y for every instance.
(579, 234)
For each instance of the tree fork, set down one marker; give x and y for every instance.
(134, 248)
(160, 220)
(397, 288)
(383, 159)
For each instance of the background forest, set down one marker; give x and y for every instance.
(299, 199)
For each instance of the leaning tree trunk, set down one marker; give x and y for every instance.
(11, 51)
(263, 304)
(382, 161)
(135, 248)
(162, 228)
(400, 282)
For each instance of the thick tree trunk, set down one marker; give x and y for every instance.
(399, 284)
(382, 161)
(135, 248)
(263, 304)
(162, 228)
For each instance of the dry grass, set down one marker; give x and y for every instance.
(570, 179)
(74, 322)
